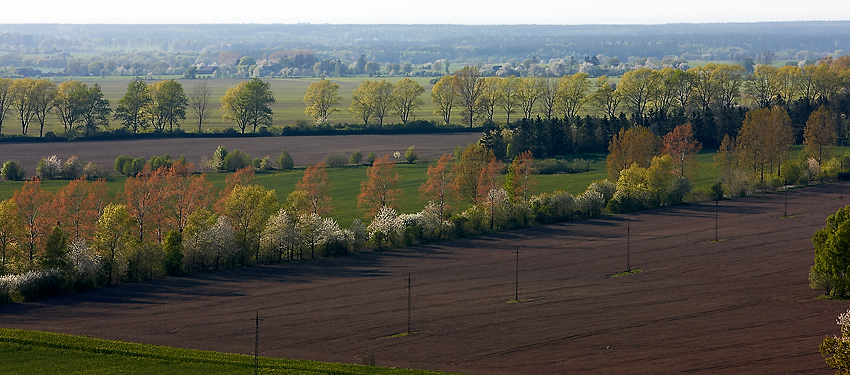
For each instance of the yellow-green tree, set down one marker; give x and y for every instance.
(42, 96)
(489, 99)
(529, 92)
(168, 105)
(113, 240)
(406, 98)
(20, 91)
(572, 93)
(248, 103)
(5, 99)
(249, 208)
(321, 99)
(606, 98)
(509, 95)
(819, 134)
(468, 85)
(444, 96)
(764, 140)
(362, 105)
(636, 89)
(764, 86)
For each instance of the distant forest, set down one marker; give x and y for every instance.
(173, 49)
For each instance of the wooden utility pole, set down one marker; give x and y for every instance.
(715, 220)
(628, 247)
(516, 279)
(257, 343)
(408, 301)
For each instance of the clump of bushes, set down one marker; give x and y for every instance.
(52, 168)
(559, 166)
(13, 171)
(336, 160)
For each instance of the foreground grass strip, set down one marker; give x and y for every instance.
(626, 273)
(35, 352)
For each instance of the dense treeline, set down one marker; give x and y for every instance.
(333, 50)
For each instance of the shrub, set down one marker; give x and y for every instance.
(128, 166)
(158, 162)
(120, 161)
(356, 157)
(30, 285)
(236, 160)
(336, 160)
(13, 171)
(217, 161)
(49, 168)
(73, 168)
(558, 166)
(370, 159)
(285, 162)
(410, 155)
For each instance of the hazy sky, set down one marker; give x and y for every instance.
(427, 11)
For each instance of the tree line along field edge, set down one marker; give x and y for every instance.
(345, 185)
(345, 182)
(288, 107)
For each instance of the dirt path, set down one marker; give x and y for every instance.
(305, 150)
(738, 306)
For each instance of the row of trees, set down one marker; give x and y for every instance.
(83, 108)
(641, 92)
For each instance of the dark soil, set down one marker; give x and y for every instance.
(741, 305)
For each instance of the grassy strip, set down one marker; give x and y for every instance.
(35, 352)
(625, 273)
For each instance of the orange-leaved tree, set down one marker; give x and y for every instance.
(242, 177)
(380, 188)
(819, 134)
(37, 215)
(142, 195)
(315, 184)
(681, 145)
(79, 205)
(489, 193)
(188, 193)
(466, 172)
(437, 186)
(634, 145)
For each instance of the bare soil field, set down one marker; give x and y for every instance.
(741, 305)
(305, 150)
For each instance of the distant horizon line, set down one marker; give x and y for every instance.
(424, 24)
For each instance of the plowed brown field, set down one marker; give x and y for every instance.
(738, 306)
(305, 150)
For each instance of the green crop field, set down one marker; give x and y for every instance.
(34, 352)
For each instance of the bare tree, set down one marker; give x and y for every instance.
(199, 102)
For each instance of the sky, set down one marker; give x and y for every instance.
(560, 12)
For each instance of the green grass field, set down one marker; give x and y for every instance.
(34, 352)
